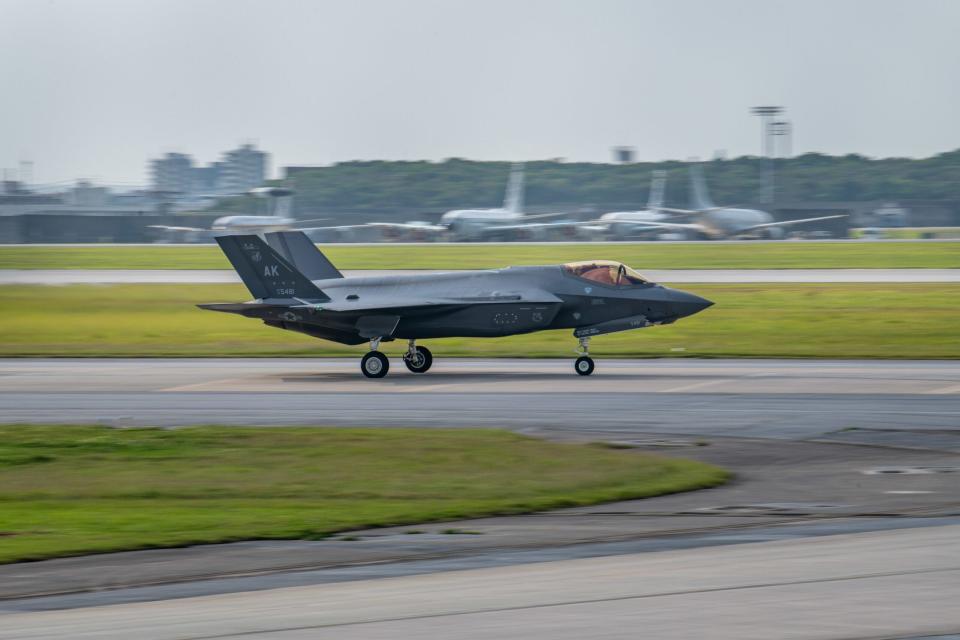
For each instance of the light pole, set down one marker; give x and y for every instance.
(766, 114)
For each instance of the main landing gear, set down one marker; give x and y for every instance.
(376, 365)
(584, 364)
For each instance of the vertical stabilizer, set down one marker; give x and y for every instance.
(513, 202)
(300, 251)
(699, 197)
(266, 273)
(279, 200)
(658, 185)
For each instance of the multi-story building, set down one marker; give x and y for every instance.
(239, 171)
(242, 169)
(173, 173)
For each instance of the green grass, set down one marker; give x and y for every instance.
(706, 255)
(67, 490)
(755, 320)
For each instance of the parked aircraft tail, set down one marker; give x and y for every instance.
(513, 202)
(658, 185)
(279, 200)
(303, 254)
(699, 197)
(265, 272)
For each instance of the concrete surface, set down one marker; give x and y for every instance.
(849, 400)
(673, 276)
(782, 489)
(867, 585)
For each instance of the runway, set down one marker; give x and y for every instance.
(672, 276)
(842, 522)
(756, 398)
(869, 585)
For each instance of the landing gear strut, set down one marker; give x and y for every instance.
(584, 364)
(374, 364)
(417, 359)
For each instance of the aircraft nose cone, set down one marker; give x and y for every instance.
(688, 304)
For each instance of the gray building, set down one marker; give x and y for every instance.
(242, 169)
(173, 173)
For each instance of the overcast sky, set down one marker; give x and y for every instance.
(95, 88)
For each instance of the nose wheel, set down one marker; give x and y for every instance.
(417, 359)
(584, 364)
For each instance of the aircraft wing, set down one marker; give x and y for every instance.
(787, 223)
(544, 215)
(400, 226)
(407, 226)
(532, 225)
(166, 228)
(670, 226)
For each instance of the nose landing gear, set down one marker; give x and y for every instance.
(417, 359)
(584, 364)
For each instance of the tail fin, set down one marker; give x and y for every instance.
(279, 200)
(513, 202)
(658, 185)
(300, 251)
(265, 272)
(699, 197)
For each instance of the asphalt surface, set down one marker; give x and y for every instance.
(867, 585)
(848, 476)
(909, 400)
(673, 276)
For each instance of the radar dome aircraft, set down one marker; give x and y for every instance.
(277, 218)
(295, 287)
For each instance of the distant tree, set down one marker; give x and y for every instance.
(377, 185)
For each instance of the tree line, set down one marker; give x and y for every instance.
(458, 183)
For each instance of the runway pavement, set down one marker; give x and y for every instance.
(876, 400)
(674, 276)
(846, 470)
(869, 585)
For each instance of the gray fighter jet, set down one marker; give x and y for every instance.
(296, 288)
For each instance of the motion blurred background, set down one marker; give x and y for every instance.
(149, 121)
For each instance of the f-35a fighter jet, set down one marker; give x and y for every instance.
(296, 288)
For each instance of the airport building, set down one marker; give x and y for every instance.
(240, 170)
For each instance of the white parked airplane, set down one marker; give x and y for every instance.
(623, 224)
(508, 220)
(278, 218)
(713, 222)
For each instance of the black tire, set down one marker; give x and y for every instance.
(422, 363)
(583, 365)
(374, 365)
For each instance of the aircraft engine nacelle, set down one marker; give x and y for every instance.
(775, 233)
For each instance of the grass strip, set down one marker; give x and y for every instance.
(706, 255)
(69, 490)
(752, 320)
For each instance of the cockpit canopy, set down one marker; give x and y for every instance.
(605, 272)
